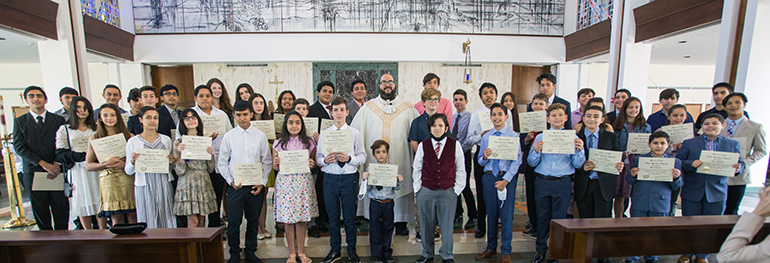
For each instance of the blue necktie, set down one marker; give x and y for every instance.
(496, 163)
(731, 129)
(591, 140)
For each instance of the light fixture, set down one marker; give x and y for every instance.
(687, 57)
(683, 42)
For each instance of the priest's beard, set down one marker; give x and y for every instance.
(388, 96)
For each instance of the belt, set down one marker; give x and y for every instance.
(551, 178)
(383, 201)
(498, 173)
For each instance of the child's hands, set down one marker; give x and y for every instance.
(365, 175)
(399, 178)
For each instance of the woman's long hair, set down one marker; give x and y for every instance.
(622, 116)
(89, 121)
(265, 115)
(183, 128)
(224, 100)
(101, 128)
(279, 108)
(285, 137)
(514, 111)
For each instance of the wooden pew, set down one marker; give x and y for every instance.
(584, 239)
(154, 245)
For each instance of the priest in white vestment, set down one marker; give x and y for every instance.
(389, 117)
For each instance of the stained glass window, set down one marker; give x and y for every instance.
(106, 11)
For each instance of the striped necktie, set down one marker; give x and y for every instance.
(438, 148)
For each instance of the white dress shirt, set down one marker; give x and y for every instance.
(459, 165)
(474, 127)
(244, 146)
(357, 157)
(34, 115)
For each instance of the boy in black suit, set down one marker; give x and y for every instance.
(321, 109)
(34, 139)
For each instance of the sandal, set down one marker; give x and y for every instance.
(292, 258)
(304, 259)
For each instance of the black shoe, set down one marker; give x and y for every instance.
(529, 231)
(449, 260)
(604, 260)
(252, 258)
(528, 225)
(418, 237)
(538, 258)
(353, 257)
(234, 259)
(436, 235)
(552, 261)
(332, 257)
(471, 224)
(401, 230)
(313, 232)
(377, 260)
(389, 259)
(422, 259)
(479, 233)
(651, 261)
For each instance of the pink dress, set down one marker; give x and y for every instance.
(295, 199)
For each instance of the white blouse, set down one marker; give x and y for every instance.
(140, 179)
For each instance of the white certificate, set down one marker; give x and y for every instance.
(294, 162)
(638, 143)
(195, 147)
(278, 120)
(326, 123)
(80, 144)
(41, 182)
(214, 123)
(268, 127)
(504, 148)
(605, 160)
(718, 163)
(336, 141)
(248, 173)
(311, 125)
(655, 169)
(152, 161)
(485, 121)
(110, 146)
(383, 174)
(532, 121)
(678, 133)
(559, 142)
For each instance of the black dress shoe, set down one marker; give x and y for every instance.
(353, 257)
(389, 259)
(252, 258)
(604, 260)
(401, 230)
(471, 224)
(479, 233)
(529, 231)
(377, 260)
(332, 257)
(528, 225)
(313, 232)
(538, 258)
(449, 260)
(418, 237)
(234, 259)
(422, 259)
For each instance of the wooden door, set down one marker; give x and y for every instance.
(523, 84)
(179, 76)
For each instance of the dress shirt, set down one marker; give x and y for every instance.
(244, 146)
(35, 115)
(459, 165)
(699, 121)
(508, 166)
(444, 106)
(218, 140)
(659, 119)
(735, 126)
(474, 127)
(359, 103)
(418, 132)
(63, 113)
(577, 116)
(382, 194)
(550, 99)
(555, 164)
(592, 143)
(357, 157)
(462, 119)
(328, 108)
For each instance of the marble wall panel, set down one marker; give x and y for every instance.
(298, 77)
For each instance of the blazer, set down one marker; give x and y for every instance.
(318, 110)
(653, 196)
(556, 99)
(696, 185)
(752, 134)
(353, 109)
(165, 122)
(34, 144)
(607, 141)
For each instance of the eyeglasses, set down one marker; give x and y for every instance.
(387, 82)
(170, 94)
(189, 118)
(433, 100)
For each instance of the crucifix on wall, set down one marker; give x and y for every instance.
(275, 82)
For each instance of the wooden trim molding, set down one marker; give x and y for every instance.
(106, 39)
(664, 17)
(588, 41)
(32, 16)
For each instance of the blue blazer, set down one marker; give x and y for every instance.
(653, 196)
(557, 99)
(696, 185)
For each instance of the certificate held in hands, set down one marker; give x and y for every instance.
(383, 174)
(678, 133)
(278, 121)
(504, 148)
(311, 125)
(336, 141)
(110, 146)
(655, 169)
(718, 163)
(80, 144)
(326, 123)
(485, 121)
(41, 182)
(294, 162)
(195, 147)
(152, 161)
(215, 123)
(247, 173)
(605, 160)
(267, 127)
(638, 143)
(532, 121)
(559, 142)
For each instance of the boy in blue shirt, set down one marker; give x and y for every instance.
(381, 208)
(651, 198)
(552, 185)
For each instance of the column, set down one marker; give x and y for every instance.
(629, 61)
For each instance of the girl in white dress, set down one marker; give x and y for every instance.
(71, 145)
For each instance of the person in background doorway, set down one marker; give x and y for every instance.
(358, 91)
(583, 95)
(547, 82)
(667, 98)
(66, 95)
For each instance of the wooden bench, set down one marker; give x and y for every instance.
(584, 239)
(154, 245)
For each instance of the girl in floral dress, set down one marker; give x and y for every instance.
(194, 195)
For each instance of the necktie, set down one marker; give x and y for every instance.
(341, 164)
(591, 140)
(175, 117)
(496, 163)
(438, 148)
(39, 122)
(379, 187)
(330, 111)
(455, 129)
(731, 129)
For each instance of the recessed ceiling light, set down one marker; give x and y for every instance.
(683, 42)
(2, 38)
(687, 57)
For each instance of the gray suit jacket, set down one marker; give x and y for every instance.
(751, 136)
(353, 109)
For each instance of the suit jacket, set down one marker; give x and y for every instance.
(653, 196)
(353, 108)
(165, 122)
(611, 116)
(134, 125)
(751, 136)
(33, 144)
(696, 185)
(318, 110)
(607, 141)
(556, 99)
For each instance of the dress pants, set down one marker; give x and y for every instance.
(529, 187)
(242, 203)
(552, 199)
(674, 197)
(47, 203)
(640, 213)
(319, 191)
(502, 210)
(437, 206)
(702, 207)
(340, 190)
(478, 174)
(734, 198)
(381, 228)
(218, 183)
(593, 204)
(467, 193)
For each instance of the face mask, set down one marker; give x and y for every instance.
(438, 138)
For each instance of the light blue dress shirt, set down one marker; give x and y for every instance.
(555, 165)
(462, 128)
(509, 167)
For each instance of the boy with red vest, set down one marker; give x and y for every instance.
(439, 177)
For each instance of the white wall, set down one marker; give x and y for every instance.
(598, 73)
(295, 76)
(681, 75)
(16, 77)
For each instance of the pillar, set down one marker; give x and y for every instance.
(629, 61)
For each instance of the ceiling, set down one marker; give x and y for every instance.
(22, 48)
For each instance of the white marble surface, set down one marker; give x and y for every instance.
(295, 76)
